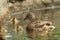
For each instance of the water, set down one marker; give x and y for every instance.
(11, 34)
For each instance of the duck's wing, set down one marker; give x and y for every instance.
(39, 24)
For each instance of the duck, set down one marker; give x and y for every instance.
(30, 29)
(2, 29)
(14, 20)
(33, 25)
(18, 28)
(2, 33)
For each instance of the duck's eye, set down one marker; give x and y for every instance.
(48, 24)
(27, 16)
(20, 0)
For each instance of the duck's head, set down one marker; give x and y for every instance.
(30, 16)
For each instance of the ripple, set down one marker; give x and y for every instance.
(7, 36)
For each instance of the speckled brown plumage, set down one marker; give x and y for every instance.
(37, 27)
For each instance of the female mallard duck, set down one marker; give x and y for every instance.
(35, 25)
(31, 26)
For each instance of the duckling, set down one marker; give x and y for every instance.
(35, 25)
(2, 33)
(14, 20)
(2, 29)
(18, 28)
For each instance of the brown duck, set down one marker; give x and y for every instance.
(31, 26)
(35, 25)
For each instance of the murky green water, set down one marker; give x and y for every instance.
(20, 14)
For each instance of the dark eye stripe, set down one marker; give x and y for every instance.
(48, 24)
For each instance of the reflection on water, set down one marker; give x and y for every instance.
(13, 35)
